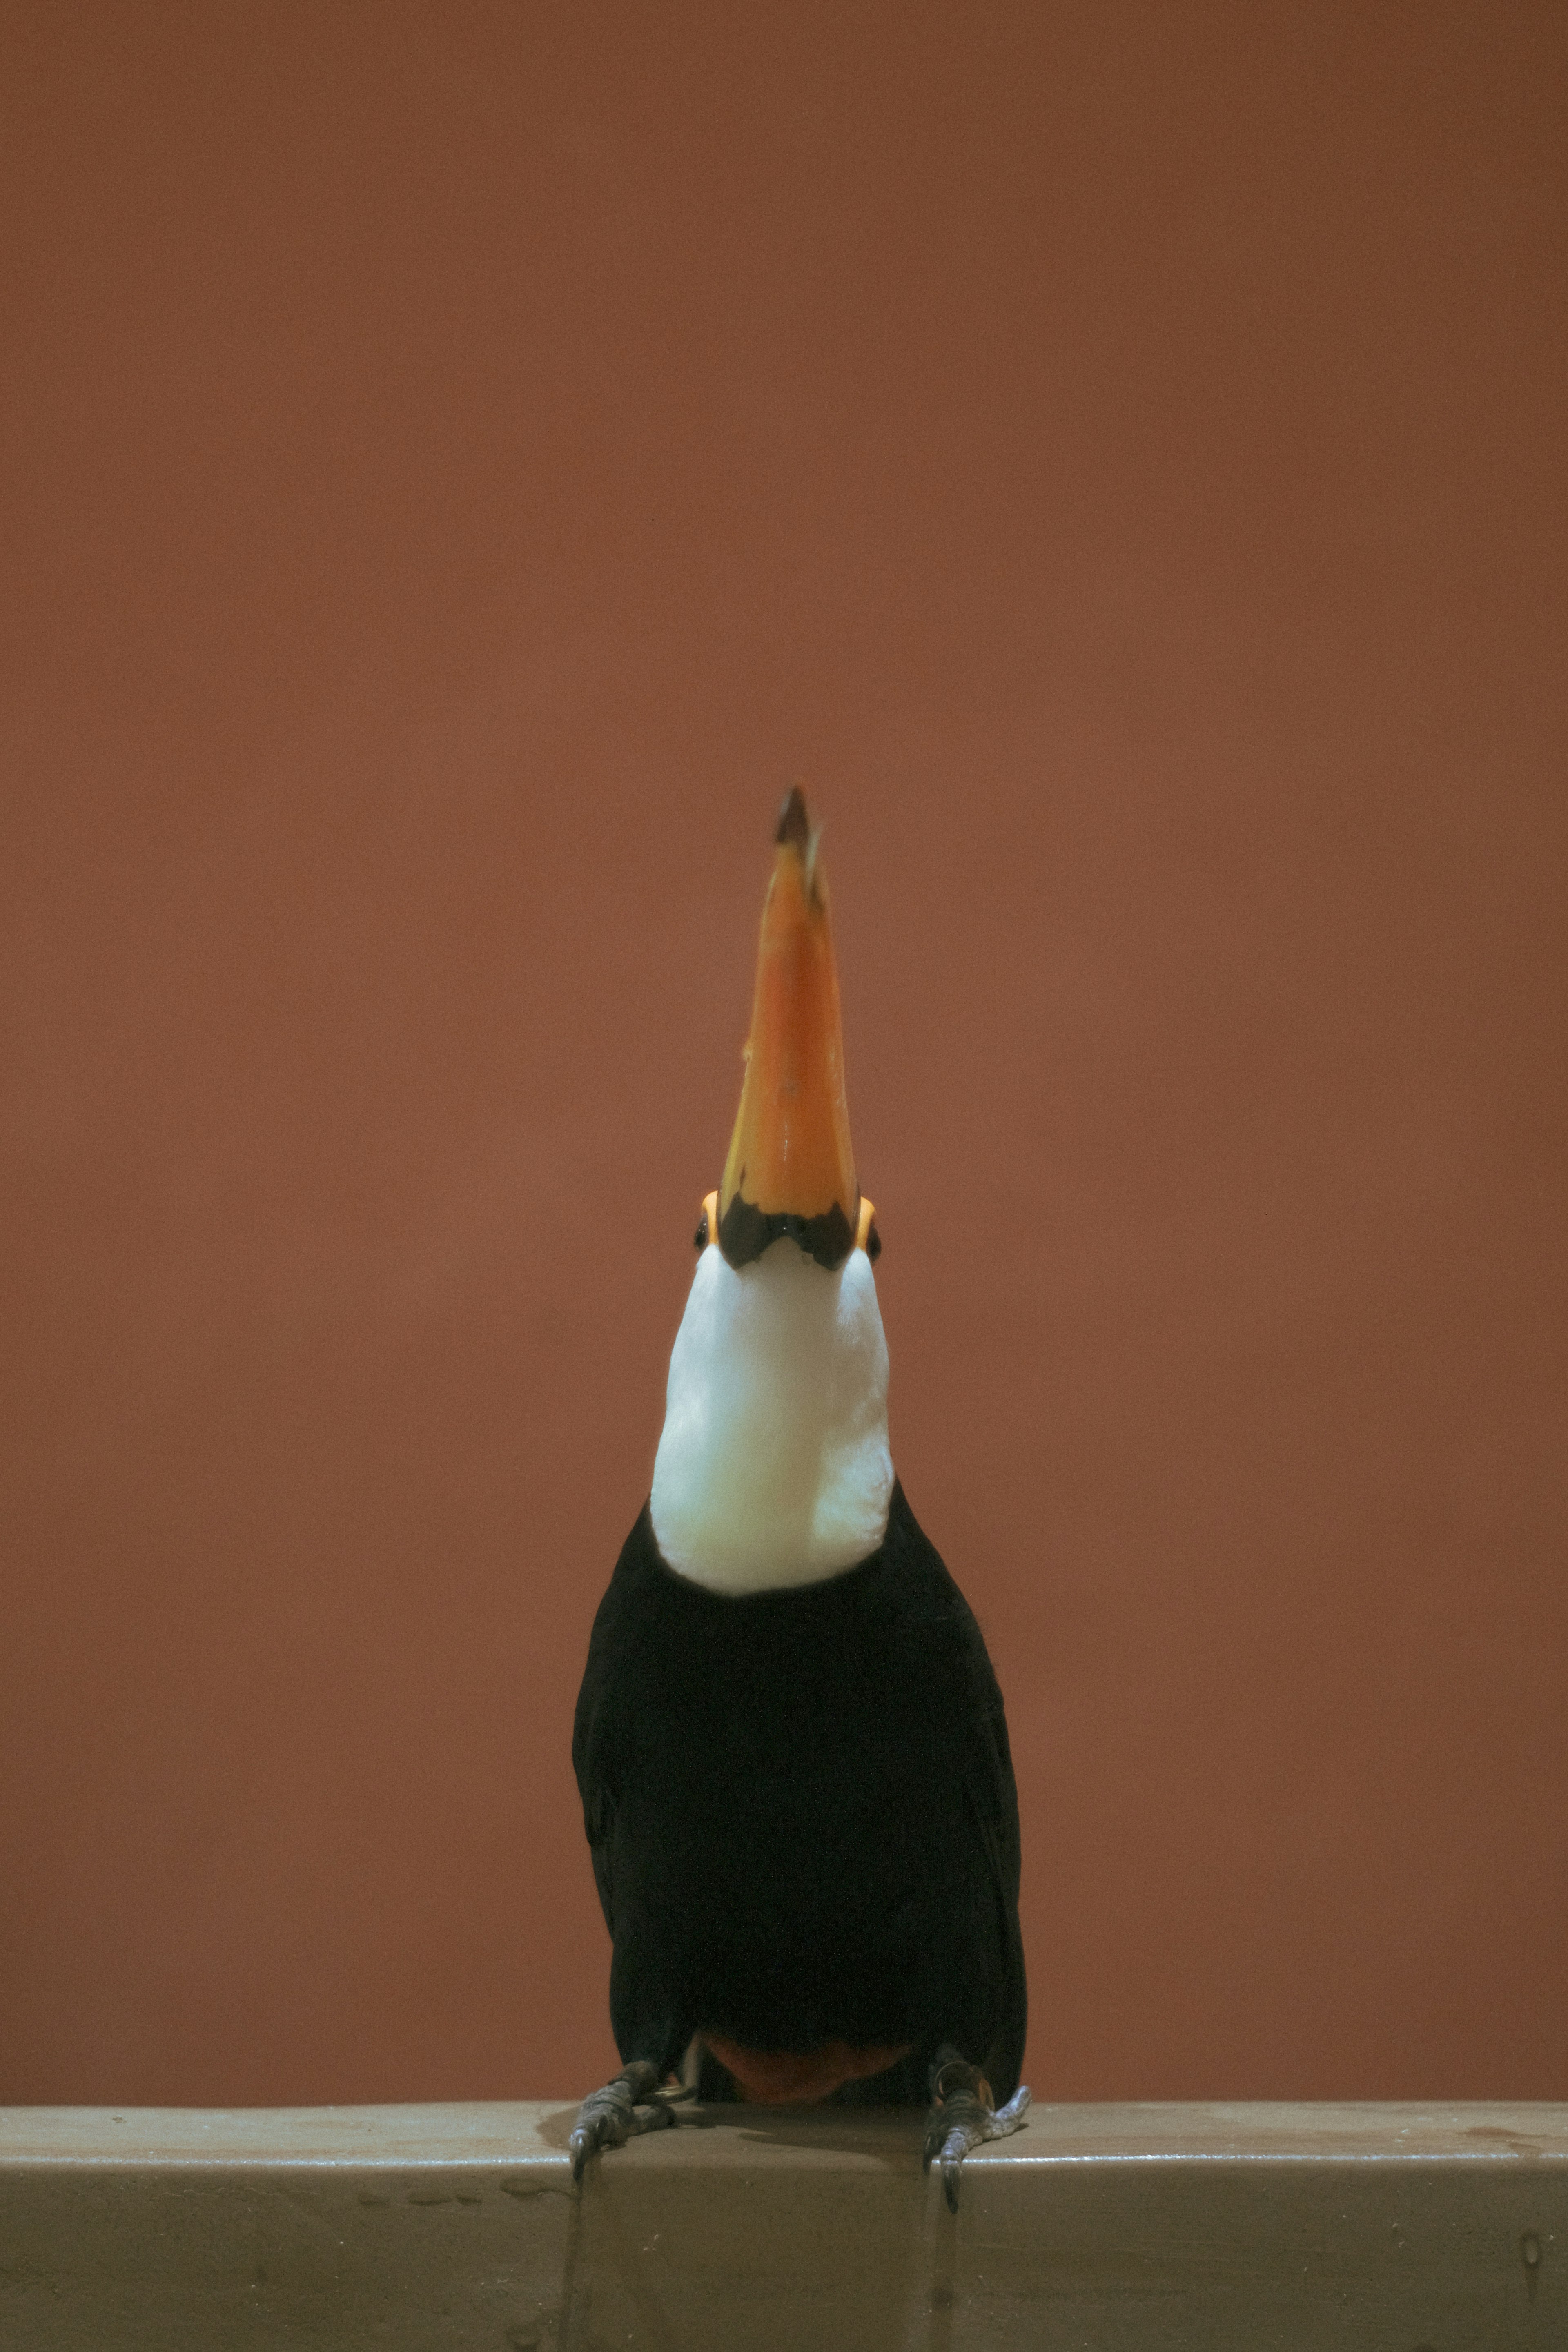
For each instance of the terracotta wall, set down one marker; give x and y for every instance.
(462, 463)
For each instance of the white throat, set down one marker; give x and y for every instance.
(774, 1467)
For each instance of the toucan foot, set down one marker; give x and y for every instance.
(962, 2116)
(632, 2103)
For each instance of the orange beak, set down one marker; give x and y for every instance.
(790, 1169)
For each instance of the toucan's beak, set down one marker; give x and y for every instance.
(790, 1169)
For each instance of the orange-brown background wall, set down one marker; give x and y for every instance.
(462, 463)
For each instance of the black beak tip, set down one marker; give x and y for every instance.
(795, 825)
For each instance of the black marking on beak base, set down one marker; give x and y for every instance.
(744, 1232)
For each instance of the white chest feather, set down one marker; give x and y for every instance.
(774, 1467)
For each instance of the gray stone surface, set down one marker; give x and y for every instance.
(1113, 2227)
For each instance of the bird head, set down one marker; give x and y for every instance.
(773, 1468)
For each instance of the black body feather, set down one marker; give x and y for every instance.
(802, 1815)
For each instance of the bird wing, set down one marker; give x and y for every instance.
(593, 1760)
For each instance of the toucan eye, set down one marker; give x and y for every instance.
(708, 1223)
(873, 1241)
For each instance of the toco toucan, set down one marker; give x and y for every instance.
(790, 1743)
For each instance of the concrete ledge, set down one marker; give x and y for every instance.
(1343, 2227)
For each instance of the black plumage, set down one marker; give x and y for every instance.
(803, 1816)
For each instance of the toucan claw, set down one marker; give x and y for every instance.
(961, 2118)
(634, 2102)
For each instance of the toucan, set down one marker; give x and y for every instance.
(790, 1743)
